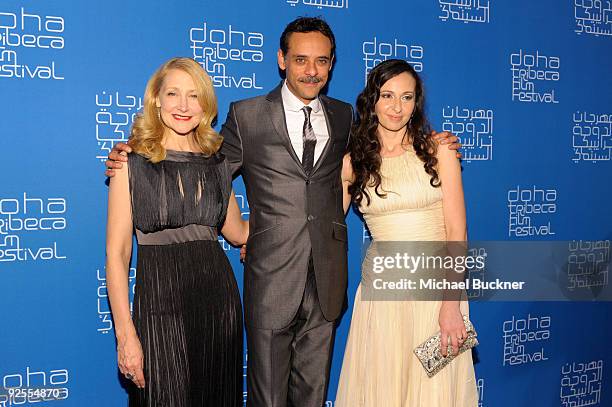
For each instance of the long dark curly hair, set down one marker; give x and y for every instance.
(365, 145)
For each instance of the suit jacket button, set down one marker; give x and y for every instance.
(310, 218)
(307, 182)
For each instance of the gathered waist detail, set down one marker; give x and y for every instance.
(418, 225)
(183, 234)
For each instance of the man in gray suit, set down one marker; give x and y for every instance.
(289, 146)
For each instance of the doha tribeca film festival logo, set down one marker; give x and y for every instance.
(115, 114)
(593, 17)
(29, 43)
(30, 386)
(474, 127)
(375, 51)
(581, 383)
(476, 11)
(525, 339)
(320, 4)
(28, 218)
(588, 265)
(531, 211)
(229, 54)
(534, 77)
(591, 136)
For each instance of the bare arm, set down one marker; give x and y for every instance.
(235, 229)
(118, 253)
(347, 180)
(119, 250)
(449, 171)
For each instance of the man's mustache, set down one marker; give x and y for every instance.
(310, 79)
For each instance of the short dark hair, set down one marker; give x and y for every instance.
(307, 25)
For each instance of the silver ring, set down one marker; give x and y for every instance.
(129, 376)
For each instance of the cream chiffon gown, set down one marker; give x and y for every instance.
(380, 368)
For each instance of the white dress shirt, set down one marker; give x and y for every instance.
(295, 122)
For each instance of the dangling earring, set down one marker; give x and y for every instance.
(158, 112)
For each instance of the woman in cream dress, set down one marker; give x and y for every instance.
(407, 190)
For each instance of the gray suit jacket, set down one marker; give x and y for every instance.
(291, 214)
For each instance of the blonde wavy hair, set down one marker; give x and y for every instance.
(148, 129)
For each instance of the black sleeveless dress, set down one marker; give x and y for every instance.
(187, 309)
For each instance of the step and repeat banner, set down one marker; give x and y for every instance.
(526, 85)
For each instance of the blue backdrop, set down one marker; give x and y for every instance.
(525, 84)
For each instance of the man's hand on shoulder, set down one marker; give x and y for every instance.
(116, 158)
(449, 139)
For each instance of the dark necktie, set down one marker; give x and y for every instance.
(310, 140)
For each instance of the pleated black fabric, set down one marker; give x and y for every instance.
(186, 307)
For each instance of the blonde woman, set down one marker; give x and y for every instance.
(183, 344)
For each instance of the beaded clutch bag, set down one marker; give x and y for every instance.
(429, 351)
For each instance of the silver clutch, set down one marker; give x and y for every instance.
(429, 351)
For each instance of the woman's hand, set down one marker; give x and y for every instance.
(451, 325)
(130, 359)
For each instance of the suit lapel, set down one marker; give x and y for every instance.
(277, 115)
(329, 121)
